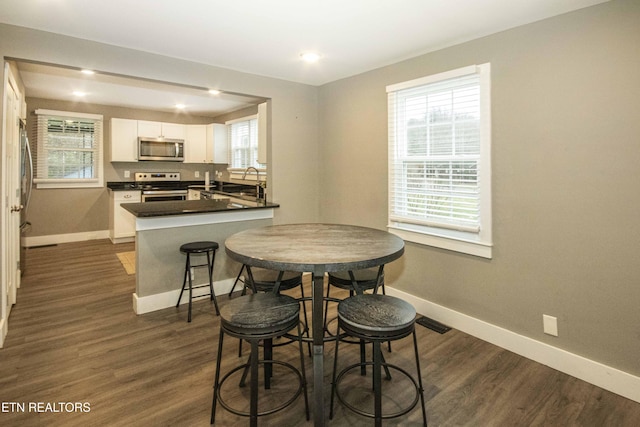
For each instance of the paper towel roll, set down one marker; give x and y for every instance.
(206, 180)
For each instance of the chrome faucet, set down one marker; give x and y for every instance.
(261, 193)
(246, 171)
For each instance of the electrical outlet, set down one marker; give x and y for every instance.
(127, 174)
(550, 325)
(197, 174)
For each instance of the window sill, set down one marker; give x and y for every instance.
(467, 243)
(46, 185)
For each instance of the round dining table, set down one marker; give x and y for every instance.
(318, 249)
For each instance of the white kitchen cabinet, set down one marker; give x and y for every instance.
(217, 145)
(263, 132)
(162, 130)
(122, 224)
(124, 140)
(196, 144)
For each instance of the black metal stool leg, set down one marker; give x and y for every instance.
(190, 286)
(210, 263)
(415, 347)
(253, 406)
(236, 281)
(377, 383)
(217, 380)
(184, 284)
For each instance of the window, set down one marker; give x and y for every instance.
(439, 160)
(243, 143)
(69, 152)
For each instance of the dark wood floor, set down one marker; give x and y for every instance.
(73, 337)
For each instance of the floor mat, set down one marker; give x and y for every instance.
(128, 260)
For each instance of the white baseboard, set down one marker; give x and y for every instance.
(55, 239)
(3, 331)
(142, 305)
(606, 377)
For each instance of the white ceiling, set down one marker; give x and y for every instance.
(267, 37)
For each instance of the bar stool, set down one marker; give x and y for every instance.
(266, 280)
(198, 248)
(254, 318)
(356, 282)
(377, 318)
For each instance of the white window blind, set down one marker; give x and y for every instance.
(243, 143)
(69, 149)
(439, 142)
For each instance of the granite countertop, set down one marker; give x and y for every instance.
(187, 207)
(135, 186)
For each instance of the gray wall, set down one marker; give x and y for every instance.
(293, 152)
(566, 168)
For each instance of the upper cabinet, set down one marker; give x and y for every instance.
(124, 140)
(263, 132)
(217, 148)
(162, 130)
(203, 143)
(195, 146)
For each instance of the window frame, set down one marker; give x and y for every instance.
(95, 182)
(459, 239)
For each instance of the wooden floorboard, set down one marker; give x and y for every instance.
(74, 337)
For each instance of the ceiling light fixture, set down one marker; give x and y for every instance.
(87, 72)
(310, 57)
(181, 106)
(214, 91)
(79, 93)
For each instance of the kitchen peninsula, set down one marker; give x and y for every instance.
(161, 227)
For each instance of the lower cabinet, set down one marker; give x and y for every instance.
(122, 224)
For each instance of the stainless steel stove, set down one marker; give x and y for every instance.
(160, 186)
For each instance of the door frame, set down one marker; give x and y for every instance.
(10, 196)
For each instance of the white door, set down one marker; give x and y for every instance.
(10, 240)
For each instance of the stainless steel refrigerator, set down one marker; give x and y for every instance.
(26, 183)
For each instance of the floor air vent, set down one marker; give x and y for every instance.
(433, 325)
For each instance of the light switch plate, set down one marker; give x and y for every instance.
(127, 174)
(197, 173)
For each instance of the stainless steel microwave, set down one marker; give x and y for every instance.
(163, 149)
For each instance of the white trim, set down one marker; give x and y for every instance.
(458, 72)
(173, 221)
(54, 239)
(69, 114)
(241, 119)
(453, 241)
(3, 331)
(155, 302)
(596, 373)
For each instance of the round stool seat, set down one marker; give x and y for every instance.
(376, 315)
(366, 279)
(377, 318)
(260, 314)
(264, 279)
(198, 247)
(260, 318)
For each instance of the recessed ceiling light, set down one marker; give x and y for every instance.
(181, 106)
(214, 92)
(78, 93)
(87, 72)
(310, 57)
